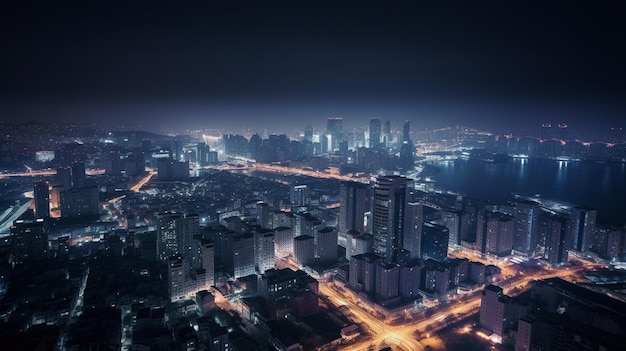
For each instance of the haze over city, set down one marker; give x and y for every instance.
(312, 176)
(502, 66)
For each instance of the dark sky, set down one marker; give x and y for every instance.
(296, 62)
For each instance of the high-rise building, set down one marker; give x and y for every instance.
(264, 250)
(375, 132)
(304, 250)
(435, 241)
(29, 240)
(298, 195)
(190, 230)
(499, 234)
(244, 259)
(410, 276)
(386, 136)
(556, 230)
(308, 132)
(334, 129)
(390, 199)
(326, 244)
(79, 178)
(207, 250)
(353, 201)
(546, 131)
(169, 240)
(452, 221)
(176, 270)
(283, 237)
(357, 243)
(563, 131)
(79, 202)
(583, 227)
(525, 227)
(406, 131)
(493, 312)
(63, 178)
(387, 281)
(414, 219)
(362, 274)
(42, 200)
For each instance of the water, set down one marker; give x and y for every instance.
(598, 185)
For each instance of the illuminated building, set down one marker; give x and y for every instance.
(556, 231)
(357, 243)
(435, 241)
(526, 225)
(583, 226)
(375, 133)
(499, 234)
(207, 250)
(390, 199)
(354, 204)
(283, 237)
(42, 200)
(29, 240)
(176, 270)
(386, 136)
(264, 249)
(412, 240)
(298, 195)
(493, 310)
(243, 256)
(334, 128)
(169, 240)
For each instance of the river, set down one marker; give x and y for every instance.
(598, 185)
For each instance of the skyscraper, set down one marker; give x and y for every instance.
(375, 132)
(413, 228)
(525, 227)
(29, 240)
(435, 241)
(169, 235)
(546, 131)
(563, 131)
(326, 244)
(304, 249)
(353, 198)
(390, 199)
(583, 226)
(334, 128)
(79, 179)
(42, 200)
(298, 194)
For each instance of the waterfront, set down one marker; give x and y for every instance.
(598, 185)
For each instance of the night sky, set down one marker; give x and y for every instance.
(270, 63)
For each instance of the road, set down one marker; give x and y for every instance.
(406, 336)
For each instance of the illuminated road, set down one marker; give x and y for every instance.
(263, 167)
(44, 172)
(406, 336)
(144, 180)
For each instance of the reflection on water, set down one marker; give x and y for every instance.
(599, 185)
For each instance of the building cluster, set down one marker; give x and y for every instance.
(553, 315)
(377, 148)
